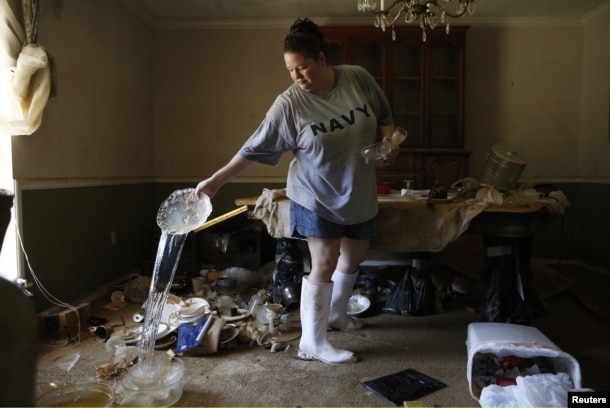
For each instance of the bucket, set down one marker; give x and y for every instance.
(506, 341)
(502, 169)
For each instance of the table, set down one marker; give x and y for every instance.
(421, 228)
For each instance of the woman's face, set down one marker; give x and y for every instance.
(307, 73)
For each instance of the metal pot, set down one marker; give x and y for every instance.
(502, 169)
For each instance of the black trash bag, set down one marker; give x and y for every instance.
(414, 295)
(503, 287)
(290, 269)
(288, 259)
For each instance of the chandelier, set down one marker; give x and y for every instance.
(428, 12)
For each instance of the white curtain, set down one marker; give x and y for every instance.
(25, 71)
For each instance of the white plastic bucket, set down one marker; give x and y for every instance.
(504, 339)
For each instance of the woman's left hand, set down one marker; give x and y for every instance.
(393, 153)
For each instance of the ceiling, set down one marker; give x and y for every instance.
(162, 13)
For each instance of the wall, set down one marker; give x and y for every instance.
(593, 221)
(522, 95)
(67, 236)
(519, 92)
(595, 97)
(99, 123)
(139, 113)
(213, 89)
(88, 170)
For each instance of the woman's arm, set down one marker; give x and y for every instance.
(232, 169)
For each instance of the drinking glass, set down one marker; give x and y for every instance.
(377, 151)
(399, 136)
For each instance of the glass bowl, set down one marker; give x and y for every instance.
(183, 212)
(83, 394)
(160, 386)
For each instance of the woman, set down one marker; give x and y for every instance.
(325, 119)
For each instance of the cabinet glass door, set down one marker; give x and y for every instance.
(336, 51)
(445, 128)
(370, 55)
(406, 91)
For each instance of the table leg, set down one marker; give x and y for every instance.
(506, 275)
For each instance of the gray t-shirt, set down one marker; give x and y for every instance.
(326, 134)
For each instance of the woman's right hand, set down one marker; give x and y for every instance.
(206, 187)
(211, 185)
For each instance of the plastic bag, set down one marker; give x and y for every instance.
(190, 335)
(413, 295)
(503, 288)
(290, 268)
(541, 390)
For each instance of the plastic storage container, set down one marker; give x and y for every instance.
(507, 341)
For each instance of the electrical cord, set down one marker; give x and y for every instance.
(47, 295)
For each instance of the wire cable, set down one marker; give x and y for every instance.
(47, 295)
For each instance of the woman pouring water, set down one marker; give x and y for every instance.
(325, 118)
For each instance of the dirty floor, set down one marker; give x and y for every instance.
(434, 345)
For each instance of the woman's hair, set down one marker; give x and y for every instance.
(304, 38)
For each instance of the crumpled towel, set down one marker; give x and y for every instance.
(273, 208)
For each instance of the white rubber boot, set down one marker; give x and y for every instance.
(314, 345)
(342, 291)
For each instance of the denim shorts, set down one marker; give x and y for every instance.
(305, 223)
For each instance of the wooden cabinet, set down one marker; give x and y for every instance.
(425, 168)
(424, 82)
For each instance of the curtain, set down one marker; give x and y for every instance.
(25, 71)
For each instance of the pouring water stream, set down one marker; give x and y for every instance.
(181, 213)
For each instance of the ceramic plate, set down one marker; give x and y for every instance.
(173, 304)
(134, 334)
(358, 304)
(193, 310)
(196, 301)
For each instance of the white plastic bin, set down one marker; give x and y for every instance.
(504, 339)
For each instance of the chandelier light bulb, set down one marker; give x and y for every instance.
(423, 11)
(470, 8)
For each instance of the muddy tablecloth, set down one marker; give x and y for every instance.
(405, 225)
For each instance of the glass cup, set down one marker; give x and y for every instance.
(407, 191)
(399, 136)
(377, 151)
